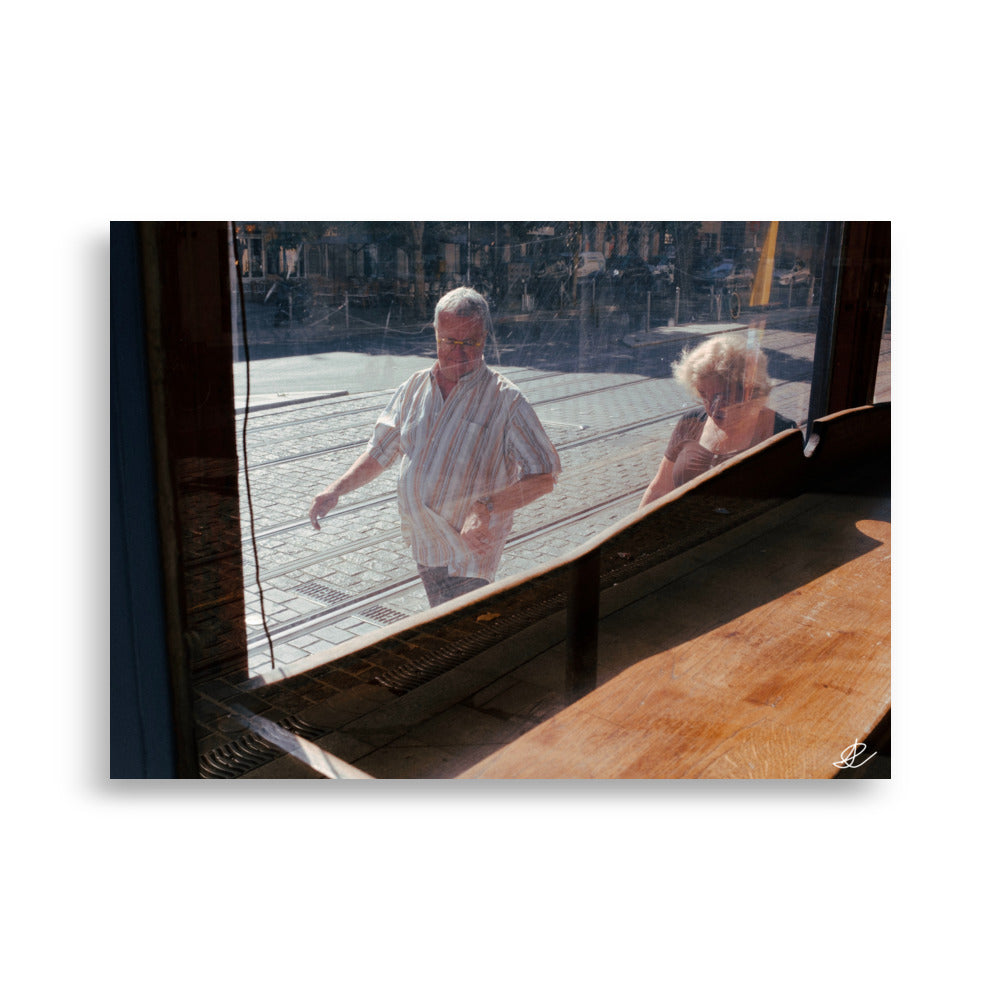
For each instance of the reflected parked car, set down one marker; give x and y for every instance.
(590, 263)
(797, 274)
(550, 281)
(662, 269)
(629, 269)
(725, 272)
(559, 268)
(799, 280)
(630, 278)
(714, 272)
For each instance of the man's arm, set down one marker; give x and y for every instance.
(363, 471)
(523, 492)
(476, 530)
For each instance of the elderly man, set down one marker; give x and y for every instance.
(473, 451)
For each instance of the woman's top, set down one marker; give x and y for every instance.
(691, 459)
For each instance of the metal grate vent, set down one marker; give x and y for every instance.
(249, 751)
(381, 615)
(426, 667)
(320, 592)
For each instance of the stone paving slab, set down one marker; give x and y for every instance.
(297, 449)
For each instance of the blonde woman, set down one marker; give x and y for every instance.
(731, 381)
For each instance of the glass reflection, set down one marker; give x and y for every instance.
(587, 320)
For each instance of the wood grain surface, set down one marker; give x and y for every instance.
(767, 662)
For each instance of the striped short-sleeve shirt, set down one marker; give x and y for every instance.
(483, 437)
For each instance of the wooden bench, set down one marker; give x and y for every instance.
(767, 655)
(738, 628)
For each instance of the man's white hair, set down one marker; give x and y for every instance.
(465, 302)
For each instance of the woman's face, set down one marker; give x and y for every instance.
(726, 401)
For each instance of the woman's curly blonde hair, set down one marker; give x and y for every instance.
(726, 356)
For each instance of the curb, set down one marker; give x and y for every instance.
(289, 400)
(670, 334)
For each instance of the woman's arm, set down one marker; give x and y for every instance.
(662, 483)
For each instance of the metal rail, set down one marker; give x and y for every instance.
(350, 604)
(377, 409)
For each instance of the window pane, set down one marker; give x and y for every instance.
(883, 385)
(588, 321)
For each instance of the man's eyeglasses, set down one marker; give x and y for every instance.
(460, 343)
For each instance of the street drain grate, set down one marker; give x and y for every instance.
(320, 592)
(378, 614)
(381, 615)
(249, 751)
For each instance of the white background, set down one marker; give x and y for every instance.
(436, 110)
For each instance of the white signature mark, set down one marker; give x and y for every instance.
(851, 753)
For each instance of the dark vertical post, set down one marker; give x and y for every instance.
(582, 615)
(853, 297)
(144, 710)
(864, 288)
(189, 342)
(823, 352)
(586, 324)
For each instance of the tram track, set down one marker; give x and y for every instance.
(370, 605)
(390, 495)
(387, 498)
(346, 604)
(333, 449)
(336, 408)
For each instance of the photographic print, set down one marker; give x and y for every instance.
(502, 499)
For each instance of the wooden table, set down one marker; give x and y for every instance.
(767, 660)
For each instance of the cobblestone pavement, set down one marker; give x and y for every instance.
(356, 574)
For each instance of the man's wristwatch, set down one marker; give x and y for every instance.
(487, 502)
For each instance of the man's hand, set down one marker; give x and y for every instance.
(476, 532)
(364, 470)
(322, 506)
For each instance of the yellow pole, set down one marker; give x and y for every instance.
(760, 293)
